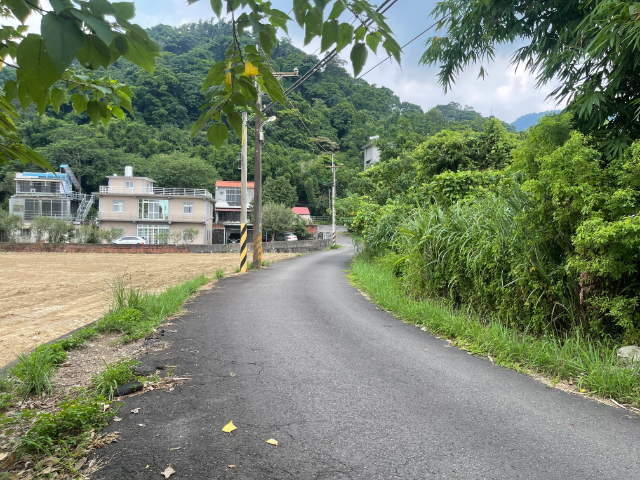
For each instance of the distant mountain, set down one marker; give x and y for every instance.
(530, 119)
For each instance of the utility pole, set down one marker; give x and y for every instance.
(333, 168)
(257, 189)
(243, 196)
(257, 179)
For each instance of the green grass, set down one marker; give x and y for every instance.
(115, 374)
(60, 433)
(34, 370)
(591, 365)
(219, 274)
(64, 434)
(136, 315)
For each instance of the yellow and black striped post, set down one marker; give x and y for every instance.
(243, 247)
(335, 238)
(257, 246)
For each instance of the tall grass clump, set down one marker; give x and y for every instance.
(589, 363)
(34, 370)
(484, 255)
(219, 274)
(136, 314)
(114, 374)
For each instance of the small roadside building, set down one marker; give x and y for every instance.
(303, 213)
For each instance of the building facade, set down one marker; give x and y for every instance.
(228, 209)
(49, 195)
(137, 207)
(371, 153)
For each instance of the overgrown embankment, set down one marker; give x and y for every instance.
(541, 233)
(536, 236)
(591, 365)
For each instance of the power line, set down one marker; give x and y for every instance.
(295, 159)
(407, 44)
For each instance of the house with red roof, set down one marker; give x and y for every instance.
(228, 210)
(303, 213)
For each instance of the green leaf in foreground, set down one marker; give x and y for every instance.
(217, 134)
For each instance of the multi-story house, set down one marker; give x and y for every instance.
(138, 208)
(228, 208)
(49, 195)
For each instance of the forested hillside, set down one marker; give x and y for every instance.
(331, 112)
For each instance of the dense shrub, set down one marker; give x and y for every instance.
(549, 243)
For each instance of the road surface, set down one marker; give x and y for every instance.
(294, 353)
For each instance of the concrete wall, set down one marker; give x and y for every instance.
(302, 246)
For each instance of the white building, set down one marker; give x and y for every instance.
(371, 153)
(51, 195)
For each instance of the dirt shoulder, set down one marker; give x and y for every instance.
(46, 295)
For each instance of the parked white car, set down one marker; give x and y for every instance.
(286, 237)
(129, 241)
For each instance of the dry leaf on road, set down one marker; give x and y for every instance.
(136, 410)
(229, 427)
(232, 466)
(271, 441)
(116, 419)
(168, 472)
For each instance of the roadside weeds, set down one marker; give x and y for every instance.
(574, 364)
(48, 430)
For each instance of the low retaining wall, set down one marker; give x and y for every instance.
(302, 246)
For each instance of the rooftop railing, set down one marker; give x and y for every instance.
(130, 216)
(167, 192)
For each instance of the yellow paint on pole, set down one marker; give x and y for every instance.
(257, 246)
(243, 247)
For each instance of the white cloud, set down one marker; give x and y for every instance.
(505, 93)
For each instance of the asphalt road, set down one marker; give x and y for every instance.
(294, 353)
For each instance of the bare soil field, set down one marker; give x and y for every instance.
(46, 295)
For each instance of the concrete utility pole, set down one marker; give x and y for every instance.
(257, 190)
(257, 180)
(333, 168)
(243, 196)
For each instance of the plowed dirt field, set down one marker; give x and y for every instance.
(45, 295)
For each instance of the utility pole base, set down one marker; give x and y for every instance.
(243, 248)
(257, 246)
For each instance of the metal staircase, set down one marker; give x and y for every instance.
(83, 209)
(72, 177)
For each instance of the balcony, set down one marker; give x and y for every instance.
(134, 217)
(164, 192)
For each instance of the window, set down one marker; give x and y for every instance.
(118, 206)
(25, 232)
(153, 209)
(129, 184)
(225, 217)
(187, 208)
(154, 234)
(233, 196)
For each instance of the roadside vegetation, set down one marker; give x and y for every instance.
(535, 237)
(591, 365)
(54, 441)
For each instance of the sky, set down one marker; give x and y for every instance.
(504, 93)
